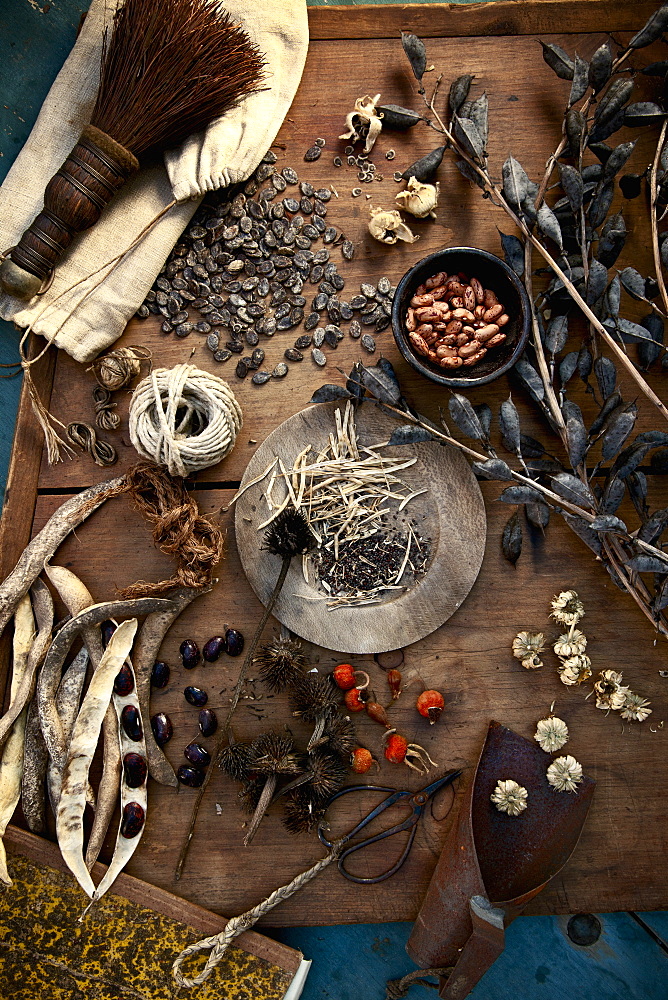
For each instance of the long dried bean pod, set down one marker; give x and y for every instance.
(145, 653)
(68, 698)
(11, 765)
(133, 788)
(31, 562)
(69, 818)
(35, 763)
(50, 673)
(43, 611)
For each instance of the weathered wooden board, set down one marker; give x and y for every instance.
(619, 862)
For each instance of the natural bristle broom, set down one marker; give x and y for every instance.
(168, 70)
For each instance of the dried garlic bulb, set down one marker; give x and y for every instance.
(551, 734)
(636, 708)
(567, 607)
(387, 226)
(509, 797)
(570, 644)
(419, 199)
(565, 774)
(117, 369)
(364, 113)
(575, 669)
(610, 692)
(527, 646)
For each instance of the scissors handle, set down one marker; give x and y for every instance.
(372, 840)
(393, 795)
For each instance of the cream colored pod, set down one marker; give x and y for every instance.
(184, 418)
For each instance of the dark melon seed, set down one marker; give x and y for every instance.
(241, 369)
(313, 153)
(348, 249)
(132, 821)
(134, 770)
(358, 302)
(305, 339)
(292, 354)
(306, 189)
(355, 329)
(222, 355)
(319, 337)
(290, 175)
(319, 357)
(368, 343)
(280, 371)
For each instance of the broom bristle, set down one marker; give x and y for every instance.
(168, 70)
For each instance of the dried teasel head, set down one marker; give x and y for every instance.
(551, 734)
(338, 736)
(527, 647)
(570, 644)
(117, 369)
(575, 669)
(289, 534)
(273, 753)
(388, 226)
(314, 696)
(250, 793)
(636, 708)
(301, 812)
(237, 760)
(567, 607)
(363, 116)
(280, 663)
(509, 797)
(610, 692)
(565, 774)
(327, 774)
(419, 199)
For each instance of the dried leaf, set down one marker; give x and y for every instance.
(484, 415)
(493, 468)
(469, 173)
(600, 67)
(613, 401)
(580, 80)
(656, 68)
(617, 160)
(577, 441)
(571, 182)
(409, 434)
(568, 367)
(598, 280)
(613, 494)
(574, 125)
(513, 251)
(465, 416)
(549, 225)
(509, 424)
(655, 438)
(600, 204)
(583, 531)
(479, 115)
(531, 448)
(459, 91)
(608, 522)
(393, 116)
(386, 366)
(424, 168)
(654, 527)
(649, 351)
(648, 564)
(538, 514)
(631, 332)
(354, 383)
(633, 283)
(659, 462)
(556, 334)
(570, 488)
(637, 486)
(643, 113)
(660, 602)
(326, 393)
(520, 494)
(613, 296)
(652, 30)
(515, 182)
(558, 60)
(511, 540)
(618, 431)
(610, 245)
(530, 379)
(606, 376)
(613, 101)
(416, 53)
(381, 385)
(629, 460)
(469, 138)
(584, 363)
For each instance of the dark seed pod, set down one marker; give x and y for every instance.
(416, 53)
(208, 722)
(132, 821)
(131, 723)
(631, 185)
(189, 651)
(213, 648)
(160, 674)
(197, 755)
(134, 770)
(107, 628)
(424, 168)
(234, 641)
(162, 728)
(124, 682)
(190, 776)
(195, 696)
(396, 117)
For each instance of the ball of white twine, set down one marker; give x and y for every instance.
(184, 418)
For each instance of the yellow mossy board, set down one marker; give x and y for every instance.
(120, 951)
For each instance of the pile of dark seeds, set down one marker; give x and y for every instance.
(368, 563)
(244, 267)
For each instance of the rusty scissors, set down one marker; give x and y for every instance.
(415, 801)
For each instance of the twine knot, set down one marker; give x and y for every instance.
(184, 418)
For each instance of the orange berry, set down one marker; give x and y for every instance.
(395, 751)
(362, 759)
(354, 700)
(344, 676)
(394, 681)
(430, 704)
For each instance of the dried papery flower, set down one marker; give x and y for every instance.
(636, 708)
(610, 692)
(387, 226)
(419, 199)
(551, 734)
(509, 797)
(570, 644)
(567, 607)
(280, 663)
(364, 114)
(575, 669)
(527, 646)
(565, 774)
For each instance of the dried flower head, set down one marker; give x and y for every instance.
(565, 774)
(575, 669)
(237, 760)
(527, 646)
(339, 736)
(419, 199)
(567, 607)
(289, 534)
(568, 644)
(327, 773)
(387, 226)
(274, 754)
(280, 663)
(250, 793)
(301, 813)
(610, 692)
(509, 797)
(551, 734)
(314, 696)
(636, 708)
(363, 117)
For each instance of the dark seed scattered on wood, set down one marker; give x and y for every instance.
(319, 357)
(368, 343)
(313, 153)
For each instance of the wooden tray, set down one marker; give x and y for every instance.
(619, 863)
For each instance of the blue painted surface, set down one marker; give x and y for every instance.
(350, 962)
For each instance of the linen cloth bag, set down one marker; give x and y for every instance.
(94, 293)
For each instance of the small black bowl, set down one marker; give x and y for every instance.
(492, 273)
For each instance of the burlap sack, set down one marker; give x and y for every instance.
(103, 296)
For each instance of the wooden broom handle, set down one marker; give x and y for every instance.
(73, 202)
